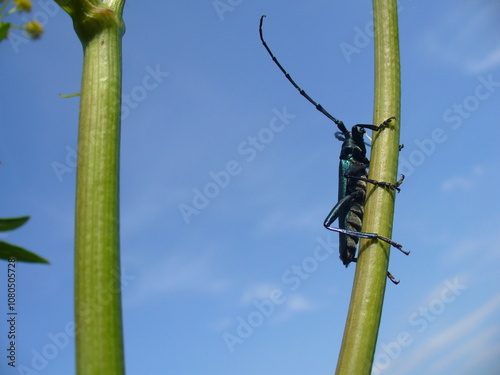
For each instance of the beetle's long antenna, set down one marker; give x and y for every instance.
(318, 106)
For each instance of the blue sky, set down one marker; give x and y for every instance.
(217, 291)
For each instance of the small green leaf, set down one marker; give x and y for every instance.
(4, 30)
(12, 223)
(22, 255)
(69, 95)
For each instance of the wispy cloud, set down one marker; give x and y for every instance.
(295, 304)
(463, 327)
(438, 345)
(258, 291)
(488, 62)
(454, 40)
(179, 273)
(474, 344)
(457, 183)
(292, 305)
(465, 182)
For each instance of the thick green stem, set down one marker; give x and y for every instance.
(365, 310)
(99, 337)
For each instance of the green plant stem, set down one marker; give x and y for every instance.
(99, 339)
(99, 336)
(365, 310)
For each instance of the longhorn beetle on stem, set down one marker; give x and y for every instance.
(353, 178)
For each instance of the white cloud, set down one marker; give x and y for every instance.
(436, 346)
(295, 304)
(463, 182)
(178, 273)
(456, 332)
(457, 183)
(461, 250)
(258, 292)
(473, 345)
(454, 40)
(299, 303)
(487, 63)
(289, 306)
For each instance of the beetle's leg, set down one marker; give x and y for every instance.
(358, 169)
(370, 236)
(341, 205)
(376, 127)
(389, 275)
(379, 183)
(400, 181)
(392, 278)
(347, 249)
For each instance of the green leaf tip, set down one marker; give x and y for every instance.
(12, 223)
(4, 30)
(9, 251)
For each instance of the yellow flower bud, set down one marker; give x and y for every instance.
(23, 5)
(34, 29)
